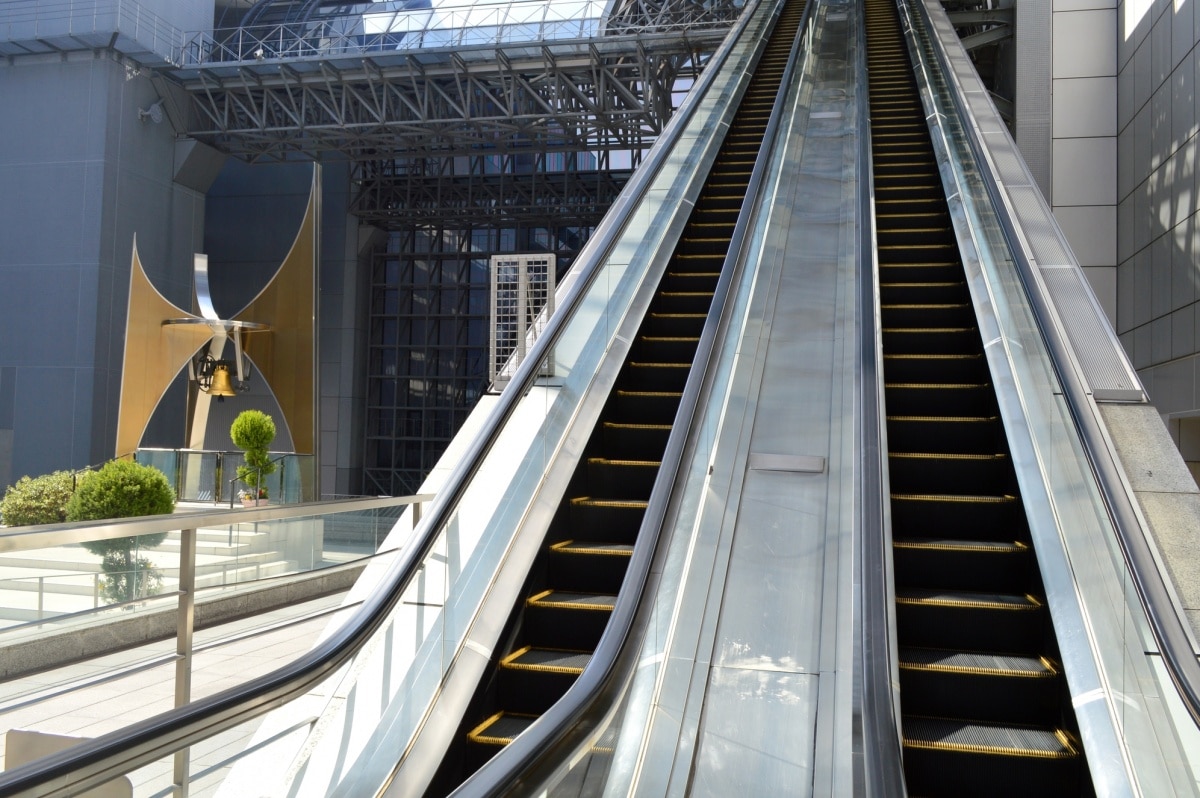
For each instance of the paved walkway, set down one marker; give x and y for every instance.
(107, 693)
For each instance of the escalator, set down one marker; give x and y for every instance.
(984, 702)
(574, 583)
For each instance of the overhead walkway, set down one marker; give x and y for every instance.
(756, 427)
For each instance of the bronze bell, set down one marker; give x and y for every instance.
(221, 385)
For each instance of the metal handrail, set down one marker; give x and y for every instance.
(1168, 628)
(531, 756)
(103, 758)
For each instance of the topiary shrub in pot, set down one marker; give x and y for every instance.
(252, 432)
(124, 489)
(38, 500)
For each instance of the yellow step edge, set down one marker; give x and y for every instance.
(539, 599)
(938, 330)
(631, 425)
(656, 394)
(477, 735)
(952, 498)
(946, 419)
(564, 547)
(1015, 547)
(508, 662)
(928, 306)
(1022, 753)
(940, 386)
(630, 463)
(1050, 671)
(971, 604)
(949, 456)
(620, 504)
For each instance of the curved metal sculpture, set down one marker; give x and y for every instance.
(161, 338)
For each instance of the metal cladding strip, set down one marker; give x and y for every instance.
(1171, 632)
(99, 760)
(534, 754)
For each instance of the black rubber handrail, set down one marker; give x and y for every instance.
(104, 758)
(532, 757)
(1169, 630)
(881, 750)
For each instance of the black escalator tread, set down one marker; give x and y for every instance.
(989, 687)
(945, 433)
(953, 758)
(981, 564)
(500, 729)
(588, 565)
(572, 588)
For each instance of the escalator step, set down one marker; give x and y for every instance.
(947, 433)
(940, 733)
(656, 376)
(597, 566)
(677, 324)
(648, 406)
(606, 519)
(928, 271)
(987, 565)
(982, 687)
(949, 757)
(560, 619)
(943, 291)
(629, 479)
(925, 472)
(930, 340)
(667, 348)
(531, 679)
(547, 660)
(928, 314)
(500, 729)
(976, 663)
(975, 517)
(920, 368)
(970, 621)
(967, 600)
(632, 441)
(967, 399)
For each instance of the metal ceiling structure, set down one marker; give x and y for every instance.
(456, 82)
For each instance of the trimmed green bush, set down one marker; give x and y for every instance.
(38, 500)
(124, 489)
(252, 432)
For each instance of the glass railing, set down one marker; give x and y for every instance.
(210, 477)
(420, 612)
(84, 584)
